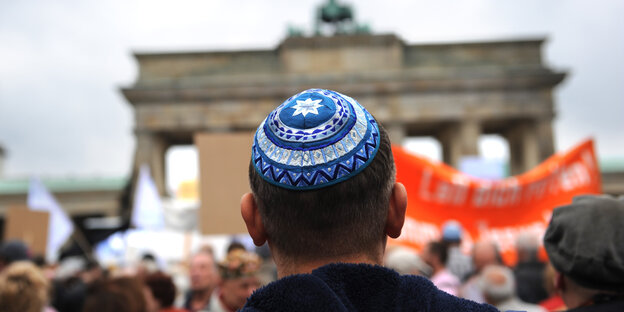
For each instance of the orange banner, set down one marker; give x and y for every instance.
(495, 210)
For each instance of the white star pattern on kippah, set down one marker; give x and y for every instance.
(307, 106)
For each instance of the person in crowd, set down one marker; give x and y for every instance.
(239, 279)
(458, 263)
(23, 288)
(584, 244)
(147, 265)
(93, 272)
(69, 289)
(324, 196)
(234, 244)
(499, 289)
(435, 255)
(268, 270)
(73, 278)
(406, 261)
(11, 251)
(161, 293)
(484, 253)
(204, 279)
(529, 271)
(120, 294)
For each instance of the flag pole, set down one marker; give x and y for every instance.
(83, 243)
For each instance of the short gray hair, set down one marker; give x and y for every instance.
(527, 241)
(406, 261)
(497, 282)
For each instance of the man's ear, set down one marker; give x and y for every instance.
(253, 221)
(396, 211)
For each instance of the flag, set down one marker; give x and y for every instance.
(147, 212)
(60, 226)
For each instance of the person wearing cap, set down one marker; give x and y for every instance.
(12, 251)
(239, 279)
(325, 199)
(584, 244)
(458, 263)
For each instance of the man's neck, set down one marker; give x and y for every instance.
(286, 268)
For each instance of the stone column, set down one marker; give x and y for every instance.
(545, 141)
(459, 139)
(524, 151)
(469, 132)
(150, 149)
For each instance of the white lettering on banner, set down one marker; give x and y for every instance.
(535, 190)
(589, 160)
(553, 181)
(419, 233)
(424, 184)
(567, 178)
(453, 193)
(574, 177)
(497, 195)
(460, 182)
(507, 192)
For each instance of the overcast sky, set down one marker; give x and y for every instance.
(62, 63)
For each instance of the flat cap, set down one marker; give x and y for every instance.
(13, 250)
(585, 242)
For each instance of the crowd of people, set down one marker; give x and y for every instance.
(325, 201)
(482, 276)
(26, 284)
(78, 284)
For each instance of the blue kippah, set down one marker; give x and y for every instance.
(315, 139)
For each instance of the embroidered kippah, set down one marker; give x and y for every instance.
(315, 139)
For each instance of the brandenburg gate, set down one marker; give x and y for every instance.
(453, 92)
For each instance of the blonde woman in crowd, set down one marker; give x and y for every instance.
(23, 288)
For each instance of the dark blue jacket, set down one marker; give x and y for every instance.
(356, 287)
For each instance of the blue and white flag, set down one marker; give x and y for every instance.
(147, 212)
(60, 226)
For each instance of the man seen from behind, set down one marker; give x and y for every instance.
(325, 199)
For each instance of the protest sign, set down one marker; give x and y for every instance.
(495, 210)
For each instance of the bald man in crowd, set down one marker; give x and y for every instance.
(484, 253)
(499, 289)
